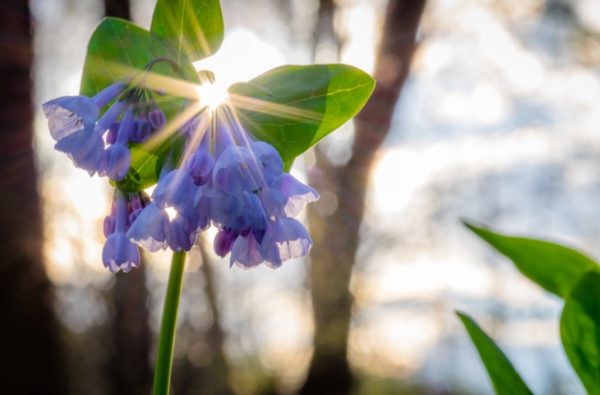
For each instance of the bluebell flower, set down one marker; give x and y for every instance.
(176, 189)
(248, 197)
(149, 230)
(72, 124)
(69, 114)
(118, 252)
(181, 233)
(246, 252)
(285, 239)
(286, 196)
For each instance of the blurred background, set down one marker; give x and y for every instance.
(484, 110)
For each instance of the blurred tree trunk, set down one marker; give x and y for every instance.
(32, 359)
(129, 362)
(336, 237)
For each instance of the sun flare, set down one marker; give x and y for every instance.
(212, 95)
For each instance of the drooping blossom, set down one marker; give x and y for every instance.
(237, 184)
(119, 253)
(99, 144)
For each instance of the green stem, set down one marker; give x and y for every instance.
(166, 339)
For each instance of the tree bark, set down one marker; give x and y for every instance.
(32, 359)
(336, 237)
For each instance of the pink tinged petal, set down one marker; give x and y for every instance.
(69, 114)
(285, 239)
(223, 242)
(246, 252)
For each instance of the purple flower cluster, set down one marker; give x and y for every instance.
(99, 144)
(225, 178)
(238, 185)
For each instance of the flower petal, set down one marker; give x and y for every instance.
(69, 114)
(85, 148)
(295, 194)
(246, 252)
(149, 229)
(120, 254)
(285, 239)
(236, 171)
(268, 157)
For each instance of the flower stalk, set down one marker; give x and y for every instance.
(166, 339)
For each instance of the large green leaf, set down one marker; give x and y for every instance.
(504, 377)
(293, 107)
(580, 330)
(195, 27)
(119, 49)
(554, 267)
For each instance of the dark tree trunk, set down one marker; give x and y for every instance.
(118, 8)
(129, 362)
(31, 357)
(336, 237)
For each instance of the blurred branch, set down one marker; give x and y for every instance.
(32, 359)
(336, 237)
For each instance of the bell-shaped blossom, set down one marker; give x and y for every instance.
(181, 233)
(85, 148)
(235, 171)
(250, 199)
(287, 196)
(201, 163)
(69, 114)
(285, 239)
(269, 159)
(149, 230)
(175, 188)
(246, 252)
(118, 252)
(72, 124)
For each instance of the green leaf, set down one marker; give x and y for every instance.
(554, 267)
(195, 27)
(504, 377)
(118, 49)
(293, 107)
(580, 330)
